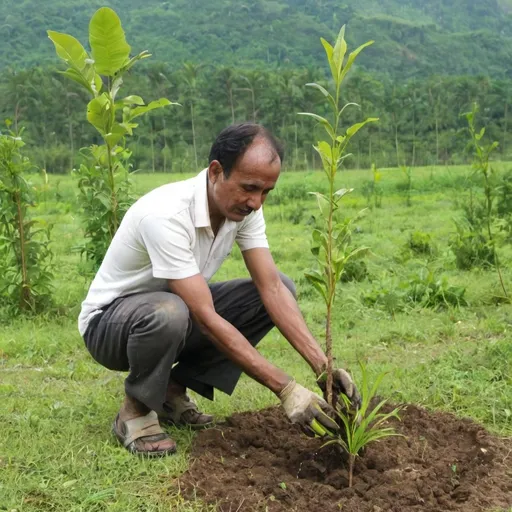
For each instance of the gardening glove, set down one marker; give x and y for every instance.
(341, 383)
(307, 409)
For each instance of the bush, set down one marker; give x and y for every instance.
(471, 248)
(354, 271)
(25, 255)
(421, 243)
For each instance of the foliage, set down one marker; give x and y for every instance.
(103, 184)
(426, 290)
(414, 37)
(480, 236)
(25, 255)
(51, 108)
(421, 243)
(371, 190)
(470, 247)
(367, 425)
(406, 186)
(355, 270)
(331, 240)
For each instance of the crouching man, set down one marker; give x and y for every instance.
(151, 312)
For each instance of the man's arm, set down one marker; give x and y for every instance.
(282, 307)
(194, 291)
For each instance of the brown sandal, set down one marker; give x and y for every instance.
(183, 412)
(144, 427)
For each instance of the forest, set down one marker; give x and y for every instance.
(227, 62)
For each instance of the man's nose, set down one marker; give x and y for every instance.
(255, 202)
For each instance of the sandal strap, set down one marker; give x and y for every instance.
(141, 427)
(176, 406)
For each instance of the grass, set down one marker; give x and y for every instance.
(57, 405)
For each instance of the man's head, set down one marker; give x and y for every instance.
(245, 162)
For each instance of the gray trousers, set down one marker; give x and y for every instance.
(152, 336)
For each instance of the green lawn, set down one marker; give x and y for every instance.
(57, 405)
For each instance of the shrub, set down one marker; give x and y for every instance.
(25, 255)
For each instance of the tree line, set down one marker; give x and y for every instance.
(420, 119)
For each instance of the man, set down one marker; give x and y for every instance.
(150, 310)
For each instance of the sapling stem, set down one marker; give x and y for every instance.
(331, 240)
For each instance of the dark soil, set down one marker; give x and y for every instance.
(258, 461)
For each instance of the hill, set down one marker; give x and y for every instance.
(414, 38)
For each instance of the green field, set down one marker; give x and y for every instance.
(57, 404)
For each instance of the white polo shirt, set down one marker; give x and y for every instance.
(167, 234)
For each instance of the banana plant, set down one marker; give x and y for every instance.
(330, 240)
(104, 184)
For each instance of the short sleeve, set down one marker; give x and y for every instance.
(169, 245)
(252, 232)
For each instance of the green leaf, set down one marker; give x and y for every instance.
(138, 111)
(323, 202)
(142, 55)
(338, 54)
(325, 92)
(117, 133)
(342, 192)
(110, 50)
(77, 77)
(327, 126)
(98, 113)
(352, 58)
(133, 99)
(69, 49)
(356, 127)
(329, 51)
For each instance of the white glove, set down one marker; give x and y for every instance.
(310, 411)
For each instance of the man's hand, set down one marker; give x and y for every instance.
(307, 409)
(341, 383)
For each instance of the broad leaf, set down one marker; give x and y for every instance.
(69, 49)
(98, 113)
(117, 133)
(356, 127)
(110, 50)
(138, 111)
(77, 77)
(132, 100)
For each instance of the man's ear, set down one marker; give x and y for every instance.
(215, 171)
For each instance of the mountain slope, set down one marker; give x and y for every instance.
(413, 37)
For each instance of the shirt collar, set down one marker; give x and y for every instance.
(201, 211)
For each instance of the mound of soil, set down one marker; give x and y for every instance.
(258, 461)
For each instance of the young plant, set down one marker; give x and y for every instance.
(103, 183)
(25, 256)
(371, 190)
(406, 186)
(365, 426)
(482, 166)
(330, 239)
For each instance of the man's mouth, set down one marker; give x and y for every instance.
(245, 211)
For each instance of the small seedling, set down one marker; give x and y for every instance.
(363, 427)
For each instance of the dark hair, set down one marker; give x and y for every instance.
(233, 142)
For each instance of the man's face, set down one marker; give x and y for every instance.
(252, 177)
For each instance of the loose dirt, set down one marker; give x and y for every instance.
(258, 461)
